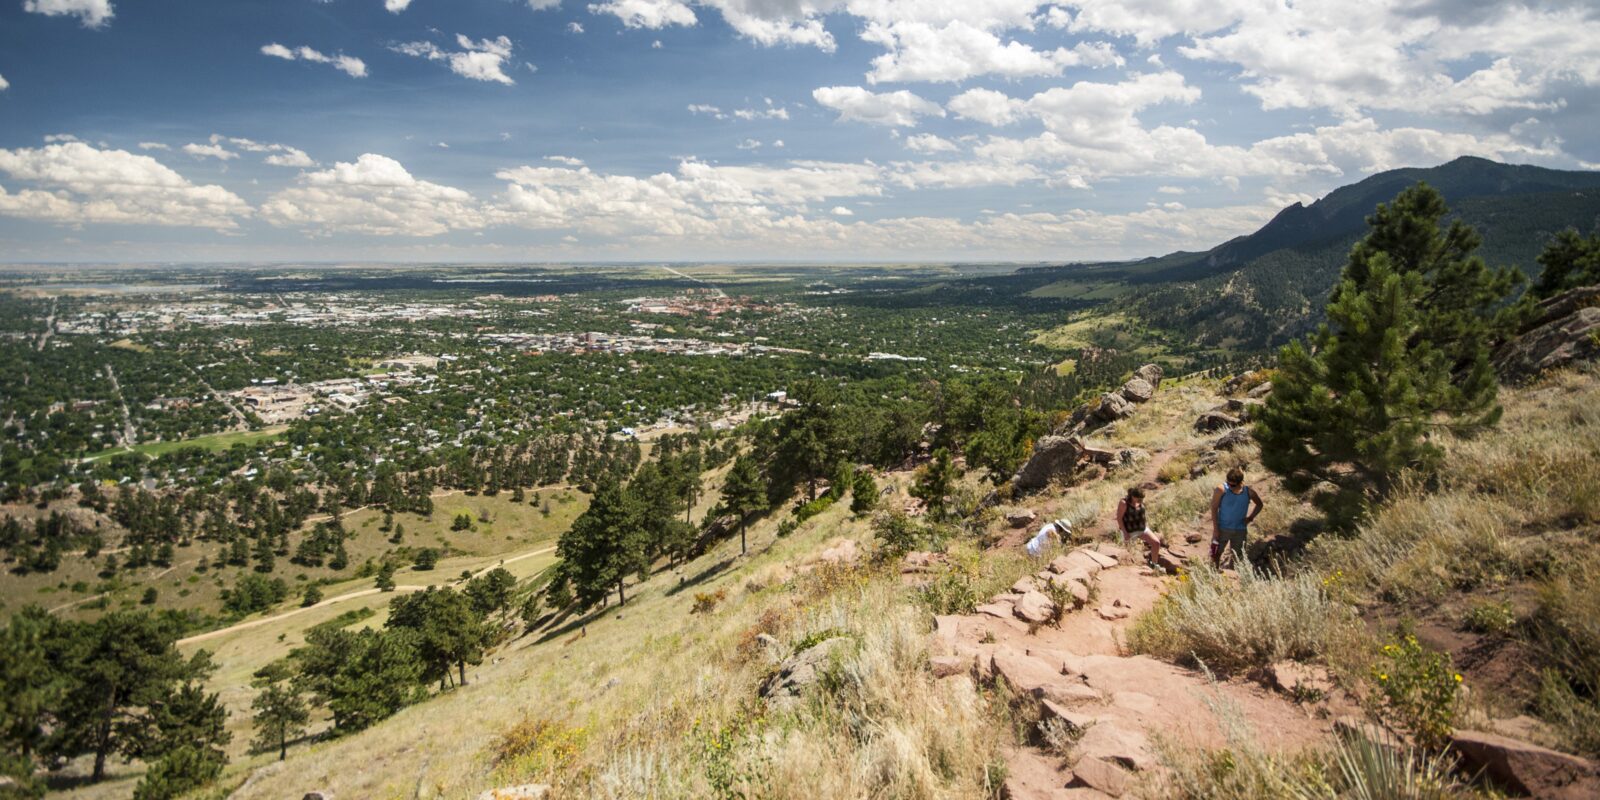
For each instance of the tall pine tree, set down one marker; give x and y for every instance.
(604, 545)
(1403, 354)
(744, 493)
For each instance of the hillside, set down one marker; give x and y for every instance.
(1143, 687)
(1262, 289)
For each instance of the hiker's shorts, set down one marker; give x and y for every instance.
(1229, 538)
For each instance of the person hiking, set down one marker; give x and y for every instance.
(1060, 529)
(1233, 507)
(1131, 521)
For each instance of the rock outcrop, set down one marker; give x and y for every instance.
(800, 671)
(1137, 390)
(1021, 518)
(1150, 373)
(1566, 330)
(1113, 406)
(1238, 437)
(1053, 457)
(1213, 421)
(1527, 768)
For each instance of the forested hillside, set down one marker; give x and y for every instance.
(1263, 289)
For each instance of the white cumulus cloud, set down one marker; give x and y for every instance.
(899, 108)
(349, 65)
(215, 151)
(78, 184)
(652, 14)
(482, 60)
(93, 13)
(373, 195)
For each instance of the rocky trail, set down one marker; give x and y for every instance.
(1112, 707)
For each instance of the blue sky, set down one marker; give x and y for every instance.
(828, 130)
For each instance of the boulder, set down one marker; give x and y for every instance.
(1569, 331)
(1024, 585)
(321, 794)
(1021, 518)
(1001, 609)
(1036, 678)
(1261, 390)
(1113, 407)
(1112, 613)
(945, 666)
(1053, 457)
(1095, 455)
(1243, 379)
(1106, 561)
(1238, 437)
(1076, 587)
(1300, 680)
(1213, 421)
(1034, 607)
(841, 551)
(1137, 390)
(1527, 768)
(801, 670)
(1149, 373)
(1124, 746)
(1097, 773)
(1129, 456)
(767, 642)
(527, 791)
(1078, 721)
(1204, 462)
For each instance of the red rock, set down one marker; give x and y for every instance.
(1105, 561)
(1076, 720)
(1077, 588)
(1035, 678)
(1001, 609)
(1528, 768)
(1025, 585)
(945, 666)
(1293, 678)
(1034, 607)
(1129, 748)
(1100, 774)
(1112, 613)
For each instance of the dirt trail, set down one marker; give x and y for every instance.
(1079, 672)
(255, 623)
(1117, 705)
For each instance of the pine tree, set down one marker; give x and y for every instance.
(864, 494)
(312, 596)
(1404, 353)
(32, 685)
(385, 581)
(264, 555)
(1569, 262)
(1461, 300)
(744, 493)
(933, 482)
(281, 712)
(604, 545)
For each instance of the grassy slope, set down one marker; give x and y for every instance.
(513, 527)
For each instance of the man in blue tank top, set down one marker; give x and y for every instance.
(1233, 507)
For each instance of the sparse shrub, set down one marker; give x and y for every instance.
(1490, 617)
(953, 590)
(1418, 690)
(1177, 469)
(538, 750)
(897, 533)
(1576, 719)
(1229, 627)
(706, 602)
(1356, 768)
(736, 767)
